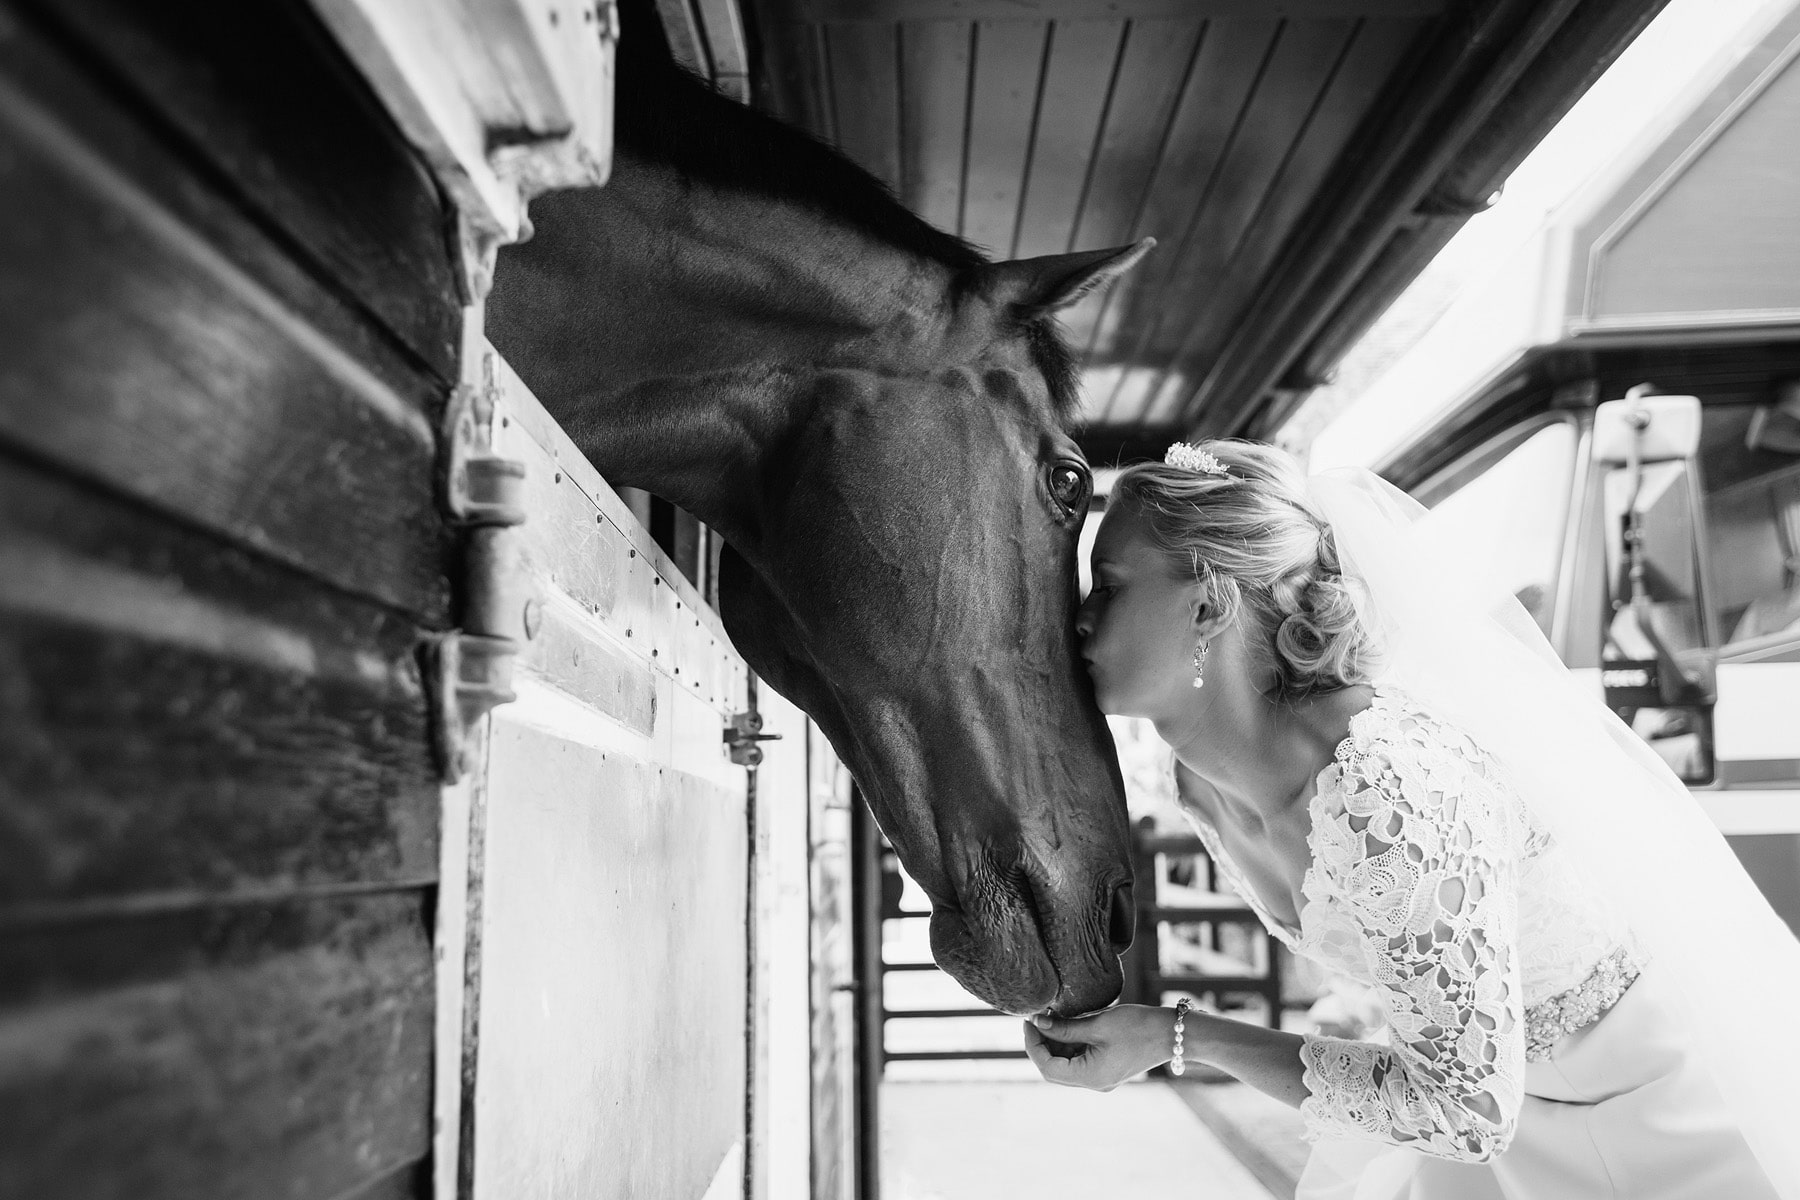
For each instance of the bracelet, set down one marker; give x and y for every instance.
(1176, 1065)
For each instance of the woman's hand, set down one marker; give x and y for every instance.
(1102, 1051)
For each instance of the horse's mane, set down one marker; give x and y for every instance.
(670, 116)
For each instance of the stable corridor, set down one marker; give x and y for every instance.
(991, 1140)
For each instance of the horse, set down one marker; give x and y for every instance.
(875, 418)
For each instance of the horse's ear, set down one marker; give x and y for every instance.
(1055, 281)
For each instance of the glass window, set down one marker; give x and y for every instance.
(1502, 526)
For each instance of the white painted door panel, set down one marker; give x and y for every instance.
(608, 994)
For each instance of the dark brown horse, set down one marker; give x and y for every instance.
(875, 419)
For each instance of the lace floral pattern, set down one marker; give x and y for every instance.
(1430, 880)
(1414, 886)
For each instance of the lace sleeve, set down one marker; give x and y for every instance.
(1416, 858)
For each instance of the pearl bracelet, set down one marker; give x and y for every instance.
(1176, 1065)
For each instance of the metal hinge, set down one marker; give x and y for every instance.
(480, 487)
(742, 735)
(471, 667)
(472, 675)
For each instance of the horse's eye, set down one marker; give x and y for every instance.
(1069, 484)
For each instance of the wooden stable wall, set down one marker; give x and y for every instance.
(228, 320)
(251, 944)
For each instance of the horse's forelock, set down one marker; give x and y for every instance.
(1056, 359)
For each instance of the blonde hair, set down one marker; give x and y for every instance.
(1266, 558)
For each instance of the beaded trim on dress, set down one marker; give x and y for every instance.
(1550, 1021)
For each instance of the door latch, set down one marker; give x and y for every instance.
(742, 735)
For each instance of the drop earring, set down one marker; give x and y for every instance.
(1200, 663)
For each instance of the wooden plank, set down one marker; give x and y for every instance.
(1273, 119)
(185, 721)
(1078, 79)
(1008, 66)
(681, 26)
(866, 96)
(1345, 98)
(1067, 10)
(1299, 73)
(1223, 76)
(934, 84)
(730, 53)
(147, 356)
(278, 1050)
(1153, 66)
(333, 175)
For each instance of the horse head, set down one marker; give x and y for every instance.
(913, 588)
(875, 417)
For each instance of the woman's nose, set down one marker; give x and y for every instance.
(1084, 619)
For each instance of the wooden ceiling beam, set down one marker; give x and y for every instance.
(843, 11)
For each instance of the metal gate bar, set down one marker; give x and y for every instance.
(1146, 981)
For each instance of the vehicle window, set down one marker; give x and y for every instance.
(1752, 505)
(1503, 526)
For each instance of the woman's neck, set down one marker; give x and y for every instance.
(1262, 754)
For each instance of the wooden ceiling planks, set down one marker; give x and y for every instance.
(1230, 60)
(1241, 232)
(934, 83)
(1345, 103)
(863, 65)
(1009, 58)
(1078, 81)
(1220, 127)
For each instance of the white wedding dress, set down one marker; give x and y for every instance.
(1530, 1052)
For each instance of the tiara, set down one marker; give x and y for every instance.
(1190, 457)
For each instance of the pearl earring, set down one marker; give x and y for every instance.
(1200, 663)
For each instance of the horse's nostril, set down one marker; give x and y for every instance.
(1121, 921)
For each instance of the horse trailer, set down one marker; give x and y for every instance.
(1626, 393)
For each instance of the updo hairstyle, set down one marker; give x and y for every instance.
(1265, 557)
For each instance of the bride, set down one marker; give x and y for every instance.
(1404, 784)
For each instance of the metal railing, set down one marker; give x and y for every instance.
(1210, 972)
(1215, 974)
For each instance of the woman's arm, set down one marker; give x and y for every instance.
(1421, 866)
(1266, 1059)
(1102, 1051)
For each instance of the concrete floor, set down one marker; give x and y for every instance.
(994, 1140)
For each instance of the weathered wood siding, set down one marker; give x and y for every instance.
(228, 319)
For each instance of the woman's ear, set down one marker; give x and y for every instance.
(1208, 619)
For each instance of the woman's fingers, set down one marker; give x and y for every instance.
(1052, 1066)
(1079, 1032)
(1056, 1061)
